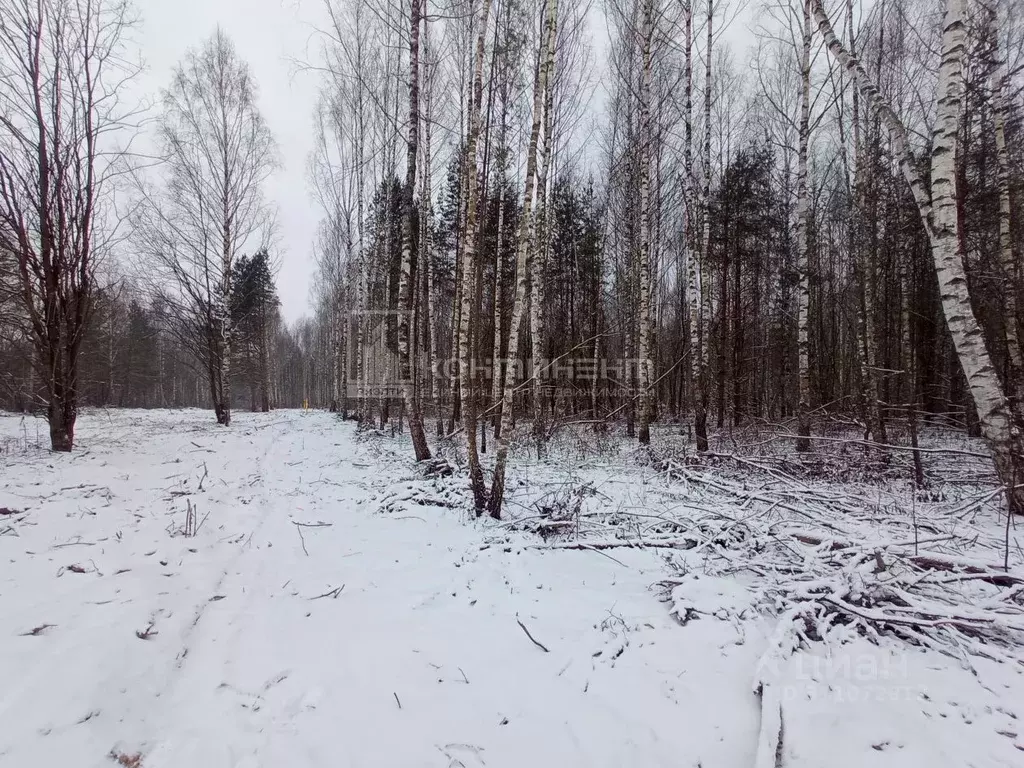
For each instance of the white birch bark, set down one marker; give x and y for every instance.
(693, 283)
(406, 308)
(497, 378)
(469, 255)
(525, 238)
(426, 241)
(803, 221)
(1015, 363)
(938, 214)
(644, 352)
(361, 267)
(538, 260)
(704, 291)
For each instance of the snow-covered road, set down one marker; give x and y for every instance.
(302, 627)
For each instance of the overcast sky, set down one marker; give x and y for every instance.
(270, 35)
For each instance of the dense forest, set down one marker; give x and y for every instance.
(646, 214)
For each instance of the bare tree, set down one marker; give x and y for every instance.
(938, 211)
(527, 225)
(406, 279)
(469, 270)
(62, 71)
(803, 226)
(210, 206)
(644, 253)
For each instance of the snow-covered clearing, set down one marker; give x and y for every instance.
(336, 609)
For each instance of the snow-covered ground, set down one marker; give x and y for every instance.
(336, 609)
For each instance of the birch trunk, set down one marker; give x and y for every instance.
(523, 245)
(999, 425)
(693, 285)
(803, 221)
(476, 475)
(360, 319)
(496, 369)
(426, 241)
(910, 367)
(700, 291)
(864, 264)
(406, 309)
(1014, 363)
(644, 341)
(538, 270)
(460, 247)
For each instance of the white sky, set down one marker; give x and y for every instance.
(271, 35)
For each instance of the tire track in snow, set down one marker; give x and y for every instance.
(152, 719)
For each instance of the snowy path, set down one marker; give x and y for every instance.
(418, 661)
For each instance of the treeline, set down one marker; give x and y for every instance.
(823, 223)
(829, 227)
(135, 356)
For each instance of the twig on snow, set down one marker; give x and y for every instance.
(535, 640)
(37, 631)
(332, 593)
(78, 543)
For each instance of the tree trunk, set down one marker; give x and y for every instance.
(497, 379)
(1014, 362)
(644, 351)
(523, 246)
(695, 282)
(538, 271)
(803, 222)
(264, 365)
(469, 251)
(999, 425)
(61, 415)
(426, 242)
(406, 308)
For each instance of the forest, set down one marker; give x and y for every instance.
(698, 215)
(714, 304)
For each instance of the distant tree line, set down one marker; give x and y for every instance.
(828, 229)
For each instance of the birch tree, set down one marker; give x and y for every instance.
(209, 206)
(1000, 426)
(693, 285)
(1007, 260)
(527, 225)
(469, 269)
(644, 348)
(803, 226)
(406, 311)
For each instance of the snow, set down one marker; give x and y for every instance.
(335, 609)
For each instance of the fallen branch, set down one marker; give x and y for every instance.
(36, 631)
(535, 641)
(332, 593)
(927, 560)
(682, 542)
